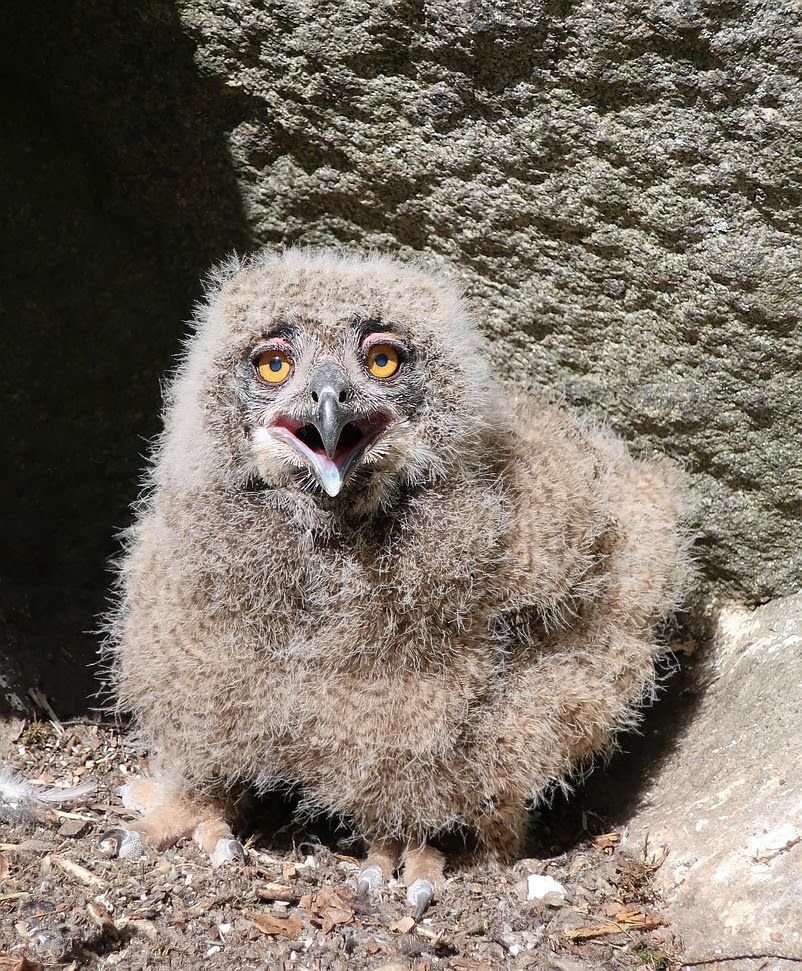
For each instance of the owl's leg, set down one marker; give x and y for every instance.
(383, 857)
(501, 827)
(169, 816)
(423, 873)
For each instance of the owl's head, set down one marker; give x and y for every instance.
(341, 378)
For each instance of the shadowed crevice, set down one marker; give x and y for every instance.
(119, 193)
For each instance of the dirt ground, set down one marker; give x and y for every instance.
(292, 905)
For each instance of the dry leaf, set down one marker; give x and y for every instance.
(403, 926)
(328, 909)
(11, 727)
(8, 963)
(371, 946)
(289, 927)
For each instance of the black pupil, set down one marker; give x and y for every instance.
(275, 363)
(381, 360)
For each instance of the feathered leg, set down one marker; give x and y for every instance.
(423, 873)
(383, 857)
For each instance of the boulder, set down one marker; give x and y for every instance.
(726, 799)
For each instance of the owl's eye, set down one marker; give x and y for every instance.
(382, 360)
(273, 366)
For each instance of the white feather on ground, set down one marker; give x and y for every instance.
(18, 795)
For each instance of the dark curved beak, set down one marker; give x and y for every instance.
(331, 413)
(330, 418)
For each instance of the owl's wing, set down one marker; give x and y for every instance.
(587, 516)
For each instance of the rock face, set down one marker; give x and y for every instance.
(727, 799)
(618, 185)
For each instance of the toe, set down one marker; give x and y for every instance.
(419, 894)
(370, 877)
(123, 843)
(227, 850)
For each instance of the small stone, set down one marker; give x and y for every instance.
(74, 828)
(547, 889)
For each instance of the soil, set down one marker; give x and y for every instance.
(64, 903)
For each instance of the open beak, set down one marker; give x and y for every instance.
(332, 441)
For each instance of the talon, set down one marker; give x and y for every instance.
(419, 894)
(122, 842)
(227, 850)
(369, 879)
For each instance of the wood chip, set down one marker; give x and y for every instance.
(289, 927)
(627, 919)
(100, 915)
(144, 927)
(80, 873)
(607, 841)
(34, 846)
(403, 926)
(277, 891)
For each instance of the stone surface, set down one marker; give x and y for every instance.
(618, 184)
(727, 799)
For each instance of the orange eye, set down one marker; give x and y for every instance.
(273, 366)
(382, 360)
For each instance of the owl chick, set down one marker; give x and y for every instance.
(363, 572)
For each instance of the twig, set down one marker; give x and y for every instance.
(39, 698)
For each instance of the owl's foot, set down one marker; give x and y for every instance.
(382, 860)
(422, 871)
(168, 817)
(423, 874)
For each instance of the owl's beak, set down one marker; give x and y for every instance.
(330, 448)
(330, 420)
(333, 440)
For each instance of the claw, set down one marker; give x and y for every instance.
(369, 879)
(227, 851)
(419, 894)
(122, 842)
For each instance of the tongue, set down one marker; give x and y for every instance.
(328, 474)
